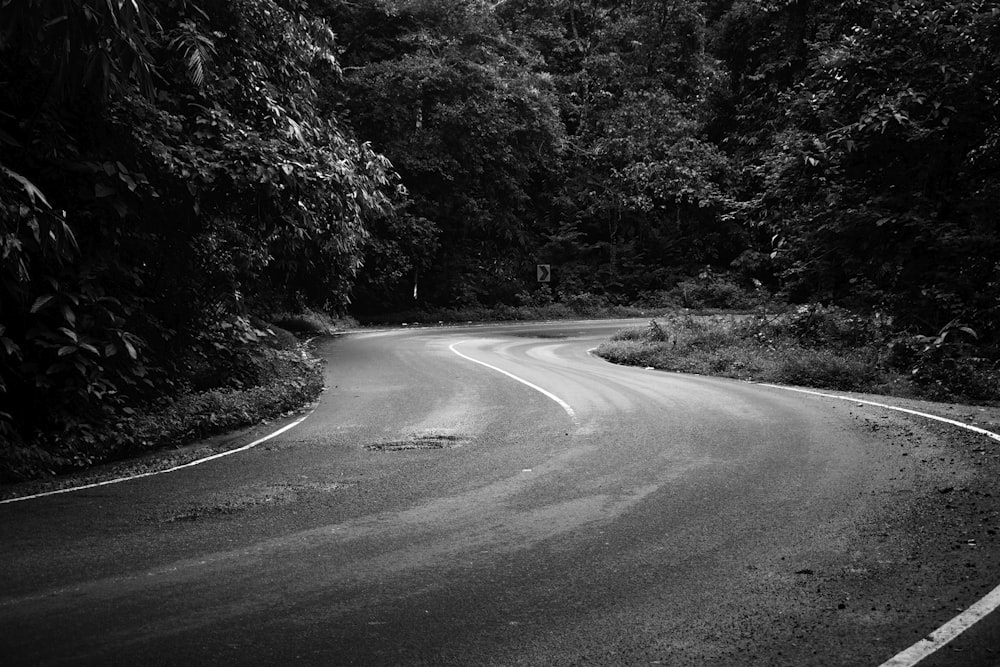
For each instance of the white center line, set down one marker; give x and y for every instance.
(563, 404)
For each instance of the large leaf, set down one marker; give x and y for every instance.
(34, 194)
(40, 302)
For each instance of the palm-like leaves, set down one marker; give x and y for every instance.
(97, 45)
(196, 48)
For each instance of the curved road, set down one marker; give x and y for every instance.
(495, 495)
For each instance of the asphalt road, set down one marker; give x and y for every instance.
(434, 510)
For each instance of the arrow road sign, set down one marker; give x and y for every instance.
(544, 273)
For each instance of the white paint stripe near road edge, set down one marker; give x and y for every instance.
(970, 427)
(189, 464)
(946, 632)
(981, 608)
(563, 404)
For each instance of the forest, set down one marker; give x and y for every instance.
(175, 175)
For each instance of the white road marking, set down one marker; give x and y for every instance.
(190, 464)
(980, 609)
(970, 427)
(946, 632)
(563, 404)
(906, 658)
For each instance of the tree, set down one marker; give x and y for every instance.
(138, 225)
(472, 129)
(880, 186)
(645, 182)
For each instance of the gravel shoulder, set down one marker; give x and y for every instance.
(933, 547)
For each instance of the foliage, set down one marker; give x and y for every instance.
(66, 339)
(166, 173)
(877, 186)
(471, 128)
(814, 346)
(645, 196)
(827, 327)
(541, 133)
(286, 380)
(171, 171)
(311, 322)
(587, 306)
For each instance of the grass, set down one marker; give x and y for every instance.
(812, 346)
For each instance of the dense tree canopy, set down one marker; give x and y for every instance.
(170, 170)
(165, 171)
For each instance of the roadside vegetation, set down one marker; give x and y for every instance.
(174, 174)
(707, 292)
(221, 387)
(817, 346)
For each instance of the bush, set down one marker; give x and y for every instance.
(586, 303)
(974, 379)
(659, 299)
(636, 334)
(311, 322)
(827, 369)
(654, 332)
(541, 296)
(815, 346)
(710, 290)
(832, 327)
(269, 379)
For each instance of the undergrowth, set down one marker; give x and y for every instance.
(706, 293)
(236, 386)
(816, 346)
(585, 306)
(505, 313)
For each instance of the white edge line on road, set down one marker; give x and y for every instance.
(946, 632)
(189, 464)
(563, 404)
(981, 431)
(981, 608)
